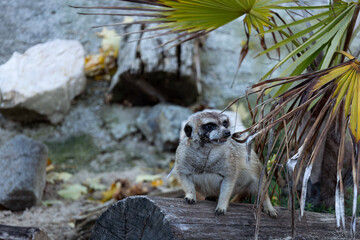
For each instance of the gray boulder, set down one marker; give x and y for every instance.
(41, 83)
(120, 120)
(23, 175)
(161, 125)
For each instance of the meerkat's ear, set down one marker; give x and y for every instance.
(188, 130)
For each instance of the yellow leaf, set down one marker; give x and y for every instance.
(110, 40)
(157, 183)
(350, 94)
(341, 81)
(351, 57)
(355, 112)
(344, 88)
(331, 76)
(114, 189)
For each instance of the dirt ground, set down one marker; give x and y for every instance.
(57, 220)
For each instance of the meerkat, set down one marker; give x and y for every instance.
(209, 161)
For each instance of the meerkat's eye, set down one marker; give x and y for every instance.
(209, 126)
(226, 123)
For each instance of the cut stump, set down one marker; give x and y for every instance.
(21, 233)
(144, 217)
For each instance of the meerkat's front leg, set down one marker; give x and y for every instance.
(268, 207)
(189, 188)
(226, 189)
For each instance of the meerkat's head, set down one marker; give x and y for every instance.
(208, 128)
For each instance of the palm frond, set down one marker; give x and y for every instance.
(329, 95)
(329, 31)
(195, 18)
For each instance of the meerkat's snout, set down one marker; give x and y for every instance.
(219, 136)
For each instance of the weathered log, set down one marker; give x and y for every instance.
(169, 218)
(21, 233)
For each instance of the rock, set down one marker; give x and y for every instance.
(148, 75)
(26, 24)
(72, 152)
(161, 125)
(136, 89)
(120, 120)
(219, 61)
(22, 167)
(41, 83)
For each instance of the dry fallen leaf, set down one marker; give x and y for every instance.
(72, 192)
(58, 177)
(122, 188)
(157, 183)
(147, 178)
(114, 190)
(95, 184)
(103, 65)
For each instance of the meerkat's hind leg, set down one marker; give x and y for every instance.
(267, 206)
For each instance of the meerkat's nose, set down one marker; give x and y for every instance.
(227, 133)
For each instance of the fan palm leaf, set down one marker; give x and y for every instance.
(195, 18)
(329, 94)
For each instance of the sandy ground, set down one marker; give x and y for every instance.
(57, 220)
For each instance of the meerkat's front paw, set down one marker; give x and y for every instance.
(189, 200)
(220, 211)
(271, 211)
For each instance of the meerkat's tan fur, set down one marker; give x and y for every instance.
(209, 161)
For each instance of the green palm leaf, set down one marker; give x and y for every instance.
(198, 16)
(328, 28)
(345, 79)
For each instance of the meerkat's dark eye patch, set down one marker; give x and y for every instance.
(226, 123)
(209, 126)
(188, 130)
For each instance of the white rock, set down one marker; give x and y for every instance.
(44, 79)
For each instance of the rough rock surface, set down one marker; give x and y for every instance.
(26, 24)
(22, 167)
(120, 120)
(161, 125)
(41, 83)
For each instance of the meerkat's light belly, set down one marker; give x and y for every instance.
(208, 184)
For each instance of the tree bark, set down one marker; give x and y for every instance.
(169, 218)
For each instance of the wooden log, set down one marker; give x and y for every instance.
(21, 233)
(143, 217)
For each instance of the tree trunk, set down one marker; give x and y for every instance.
(170, 218)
